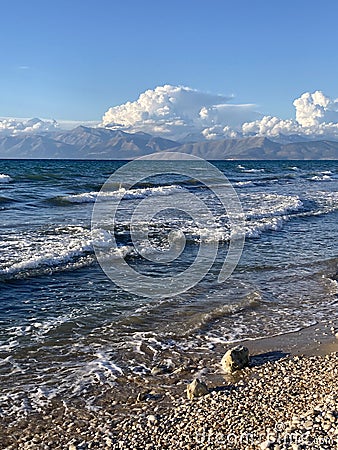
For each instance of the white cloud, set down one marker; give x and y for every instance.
(177, 111)
(271, 126)
(316, 116)
(220, 132)
(12, 126)
(315, 109)
(228, 115)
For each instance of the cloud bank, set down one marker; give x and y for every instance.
(177, 111)
(18, 126)
(183, 113)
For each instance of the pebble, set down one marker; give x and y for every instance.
(152, 420)
(258, 411)
(308, 424)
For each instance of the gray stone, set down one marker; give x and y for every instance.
(235, 359)
(196, 389)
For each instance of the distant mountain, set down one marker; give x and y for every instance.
(256, 148)
(290, 138)
(101, 143)
(83, 143)
(246, 148)
(34, 146)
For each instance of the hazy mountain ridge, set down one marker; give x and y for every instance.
(256, 148)
(101, 143)
(82, 143)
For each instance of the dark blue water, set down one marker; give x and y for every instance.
(65, 326)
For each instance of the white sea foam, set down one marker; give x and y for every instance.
(253, 170)
(38, 329)
(241, 333)
(59, 247)
(269, 212)
(100, 370)
(246, 170)
(72, 247)
(260, 205)
(255, 229)
(67, 248)
(326, 202)
(122, 193)
(320, 178)
(5, 178)
(331, 284)
(243, 183)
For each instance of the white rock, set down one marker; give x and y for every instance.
(152, 420)
(235, 359)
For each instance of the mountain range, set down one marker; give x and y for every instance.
(102, 143)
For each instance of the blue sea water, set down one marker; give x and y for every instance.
(65, 326)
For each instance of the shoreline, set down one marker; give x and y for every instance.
(74, 427)
(318, 339)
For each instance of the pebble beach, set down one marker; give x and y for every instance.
(280, 401)
(86, 363)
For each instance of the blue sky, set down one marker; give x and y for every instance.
(74, 59)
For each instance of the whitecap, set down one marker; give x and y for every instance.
(253, 170)
(243, 183)
(5, 178)
(122, 193)
(320, 178)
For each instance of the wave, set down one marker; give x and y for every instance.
(60, 249)
(5, 178)
(42, 252)
(45, 252)
(246, 170)
(243, 183)
(122, 193)
(261, 205)
(6, 200)
(253, 170)
(203, 320)
(322, 177)
(323, 203)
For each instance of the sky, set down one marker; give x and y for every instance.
(74, 60)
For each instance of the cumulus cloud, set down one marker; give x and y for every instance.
(177, 111)
(271, 126)
(315, 109)
(316, 116)
(182, 113)
(16, 126)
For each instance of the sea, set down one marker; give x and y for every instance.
(69, 328)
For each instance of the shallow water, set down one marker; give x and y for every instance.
(65, 327)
